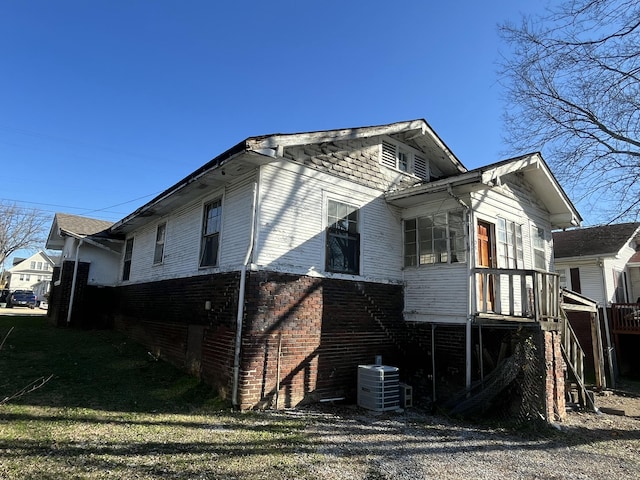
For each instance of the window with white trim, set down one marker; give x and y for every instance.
(126, 262)
(158, 253)
(510, 250)
(343, 238)
(212, 220)
(539, 248)
(39, 266)
(436, 238)
(404, 158)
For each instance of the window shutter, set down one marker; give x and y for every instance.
(388, 154)
(420, 167)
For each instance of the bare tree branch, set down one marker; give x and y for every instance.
(20, 228)
(572, 86)
(31, 387)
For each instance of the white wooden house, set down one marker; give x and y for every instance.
(278, 267)
(603, 263)
(25, 274)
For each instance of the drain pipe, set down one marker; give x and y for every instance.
(73, 281)
(241, 295)
(470, 295)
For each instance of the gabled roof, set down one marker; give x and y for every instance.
(562, 212)
(263, 149)
(23, 264)
(604, 240)
(67, 225)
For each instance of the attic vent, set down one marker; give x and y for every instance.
(404, 158)
(420, 167)
(388, 154)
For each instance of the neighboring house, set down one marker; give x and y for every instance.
(603, 263)
(278, 267)
(89, 258)
(598, 262)
(26, 273)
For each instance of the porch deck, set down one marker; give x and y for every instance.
(625, 318)
(513, 295)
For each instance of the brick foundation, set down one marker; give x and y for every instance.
(554, 377)
(303, 337)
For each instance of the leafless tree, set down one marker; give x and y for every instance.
(572, 86)
(20, 228)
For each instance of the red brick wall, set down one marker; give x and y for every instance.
(315, 332)
(161, 315)
(554, 377)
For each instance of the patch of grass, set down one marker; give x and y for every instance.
(112, 411)
(95, 369)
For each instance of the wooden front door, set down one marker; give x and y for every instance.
(485, 259)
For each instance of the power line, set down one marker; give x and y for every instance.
(82, 211)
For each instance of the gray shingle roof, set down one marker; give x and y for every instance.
(602, 240)
(81, 225)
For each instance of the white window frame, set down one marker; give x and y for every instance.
(127, 258)
(158, 249)
(539, 251)
(452, 255)
(510, 253)
(217, 234)
(403, 158)
(326, 224)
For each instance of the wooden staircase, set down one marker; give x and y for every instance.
(574, 356)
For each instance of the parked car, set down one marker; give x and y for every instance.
(22, 298)
(43, 305)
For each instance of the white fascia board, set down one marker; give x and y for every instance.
(286, 140)
(438, 185)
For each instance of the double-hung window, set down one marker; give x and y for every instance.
(436, 238)
(510, 251)
(343, 238)
(128, 255)
(158, 253)
(211, 234)
(539, 248)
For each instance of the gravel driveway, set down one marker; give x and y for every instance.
(357, 444)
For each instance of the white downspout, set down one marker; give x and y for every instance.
(610, 350)
(241, 294)
(470, 297)
(73, 281)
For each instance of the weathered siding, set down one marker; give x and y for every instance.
(437, 293)
(183, 236)
(292, 214)
(515, 201)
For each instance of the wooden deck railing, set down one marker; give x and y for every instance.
(519, 294)
(625, 318)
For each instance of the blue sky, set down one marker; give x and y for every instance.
(105, 103)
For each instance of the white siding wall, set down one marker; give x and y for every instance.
(183, 236)
(292, 214)
(591, 276)
(507, 203)
(591, 282)
(440, 293)
(24, 269)
(104, 266)
(436, 293)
